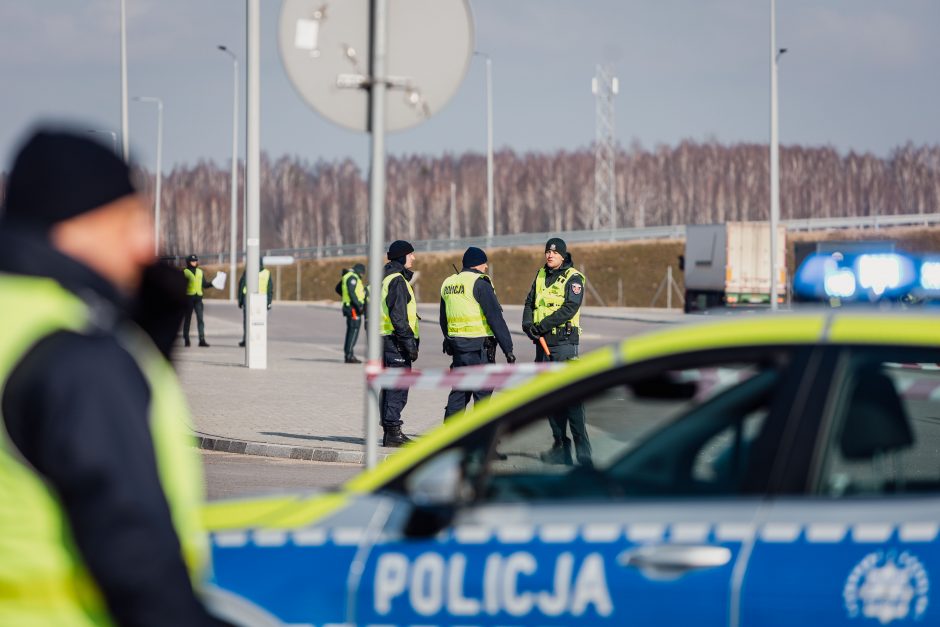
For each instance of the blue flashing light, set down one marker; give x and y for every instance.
(930, 275)
(879, 273)
(840, 284)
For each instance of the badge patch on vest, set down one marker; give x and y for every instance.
(575, 288)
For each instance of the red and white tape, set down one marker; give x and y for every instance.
(487, 377)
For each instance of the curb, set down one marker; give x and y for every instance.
(283, 451)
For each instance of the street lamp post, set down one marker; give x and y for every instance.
(159, 177)
(490, 218)
(775, 55)
(125, 139)
(234, 217)
(113, 135)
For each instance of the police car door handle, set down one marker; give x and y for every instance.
(667, 560)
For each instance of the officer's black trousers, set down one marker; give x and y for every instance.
(352, 336)
(571, 415)
(392, 402)
(194, 303)
(458, 400)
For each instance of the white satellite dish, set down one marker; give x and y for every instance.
(325, 48)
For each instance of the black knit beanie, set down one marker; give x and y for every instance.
(473, 257)
(398, 250)
(58, 175)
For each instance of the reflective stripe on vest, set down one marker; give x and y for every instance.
(360, 288)
(194, 287)
(412, 307)
(43, 578)
(464, 314)
(549, 299)
(264, 276)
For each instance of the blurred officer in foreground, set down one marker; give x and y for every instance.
(354, 309)
(399, 329)
(472, 322)
(265, 285)
(195, 283)
(553, 311)
(100, 484)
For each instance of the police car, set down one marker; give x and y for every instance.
(754, 470)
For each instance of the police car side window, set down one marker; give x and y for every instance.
(681, 431)
(883, 427)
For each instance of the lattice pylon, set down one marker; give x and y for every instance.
(605, 87)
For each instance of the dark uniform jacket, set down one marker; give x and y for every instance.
(357, 305)
(397, 302)
(206, 283)
(76, 407)
(573, 298)
(241, 289)
(484, 294)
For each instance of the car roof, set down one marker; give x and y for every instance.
(806, 327)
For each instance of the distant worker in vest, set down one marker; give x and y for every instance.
(472, 322)
(399, 329)
(101, 485)
(195, 283)
(265, 285)
(552, 313)
(354, 308)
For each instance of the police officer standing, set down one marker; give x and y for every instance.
(265, 285)
(553, 311)
(354, 308)
(472, 322)
(101, 486)
(399, 329)
(195, 283)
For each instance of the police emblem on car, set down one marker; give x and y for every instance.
(887, 587)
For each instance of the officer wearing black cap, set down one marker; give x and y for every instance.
(195, 283)
(100, 483)
(553, 311)
(399, 329)
(353, 292)
(472, 322)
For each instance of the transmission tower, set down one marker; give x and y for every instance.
(604, 86)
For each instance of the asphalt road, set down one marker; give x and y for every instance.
(229, 475)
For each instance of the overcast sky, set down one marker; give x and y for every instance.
(859, 74)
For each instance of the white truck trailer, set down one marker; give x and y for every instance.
(728, 265)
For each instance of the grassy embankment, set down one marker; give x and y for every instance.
(621, 273)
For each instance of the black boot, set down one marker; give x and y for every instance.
(185, 341)
(352, 360)
(394, 437)
(203, 342)
(560, 453)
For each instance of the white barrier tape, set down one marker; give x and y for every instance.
(486, 377)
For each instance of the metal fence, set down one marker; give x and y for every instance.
(581, 237)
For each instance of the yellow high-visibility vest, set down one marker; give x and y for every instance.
(264, 276)
(549, 299)
(464, 314)
(386, 327)
(360, 288)
(194, 285)
(43, 578)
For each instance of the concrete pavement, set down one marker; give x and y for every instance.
(308, 404)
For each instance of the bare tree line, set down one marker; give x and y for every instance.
(324, 203)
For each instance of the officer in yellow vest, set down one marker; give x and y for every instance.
(399, 329)
(195, 283)
(472, 322)
(265, 285)
(353, 292)
(553, 311)
(100, 487)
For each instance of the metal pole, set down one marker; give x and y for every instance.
(159, 174)
(774, 158)
(255, 355)
(125, 139)
(376, 217)
(490, 211)
(453, 211)
(234, 217)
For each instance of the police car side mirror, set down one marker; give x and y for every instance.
(435, 490)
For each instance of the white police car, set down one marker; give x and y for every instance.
(753, 471)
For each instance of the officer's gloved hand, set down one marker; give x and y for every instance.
(527, 329)
(448, 346)
(410, 347)
(510, 358)
(538, 331)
